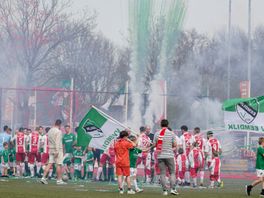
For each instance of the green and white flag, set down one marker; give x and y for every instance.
(98, 130)
(244, 114)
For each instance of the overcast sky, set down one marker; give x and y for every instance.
(207, 16)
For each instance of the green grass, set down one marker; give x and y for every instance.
(30, 188)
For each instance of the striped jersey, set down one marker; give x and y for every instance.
(182, 162)
(195, 158)
(187, 140)
(168, 140)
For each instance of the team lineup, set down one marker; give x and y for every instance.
(165, 157)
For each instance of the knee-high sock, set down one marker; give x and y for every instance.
(99, 171)
(50, 171)
(135, 183)
(187, 176)
(22, 166)
(38, 167)
(105, 172)
(110, 173)
(195, 181)
(85, 171)
(202, 177)
(18, 169)
(31, 168)
(148, 167)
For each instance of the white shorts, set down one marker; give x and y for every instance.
(12, 164)
(89, 168)
(5, 165)
(133, 172)
(78, 167)
(57, 160)
(260, 173)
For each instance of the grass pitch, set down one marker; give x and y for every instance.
(31, 188)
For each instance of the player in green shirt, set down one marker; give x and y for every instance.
(259, 169)
(133, 156)
(77, 156)
(68, 141)
(12, 159)
(89, 163)
(5, 160)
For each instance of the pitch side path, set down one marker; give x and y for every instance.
(31, 188)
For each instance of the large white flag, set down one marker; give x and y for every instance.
(98, 130)
(244, 114)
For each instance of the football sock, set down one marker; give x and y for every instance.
(202, 177)
(135, 183)
(195, 181)
(22, 165)
(99, 171)
(38, 167)
(187, 176)
(31, 168)
(110, 173)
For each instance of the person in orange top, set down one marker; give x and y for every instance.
(122, 146)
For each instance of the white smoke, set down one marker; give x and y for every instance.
(156, 108)
(135, 119)
(206, 113)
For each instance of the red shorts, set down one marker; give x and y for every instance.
(20, 157)
(105, 157)
(44, 158)
(32, 157)
(193, 172)
(123, 171)
(182, 174)
(214, 177)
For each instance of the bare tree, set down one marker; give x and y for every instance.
(98, 67)
(34, 29)
(31, 33)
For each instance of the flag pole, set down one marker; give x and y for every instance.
(126, 105)
(229, 50)
(165, 100)
(134, 132)
(71, 103)
(35, 109)
(249, 61)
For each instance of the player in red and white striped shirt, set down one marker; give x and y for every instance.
(196, 160)
(43, 147)
(187, 140)
(20, 142)
(182, 163)
(34, 156)
(198, 138)
(144, 143)
(212, 145)
(214, 168)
